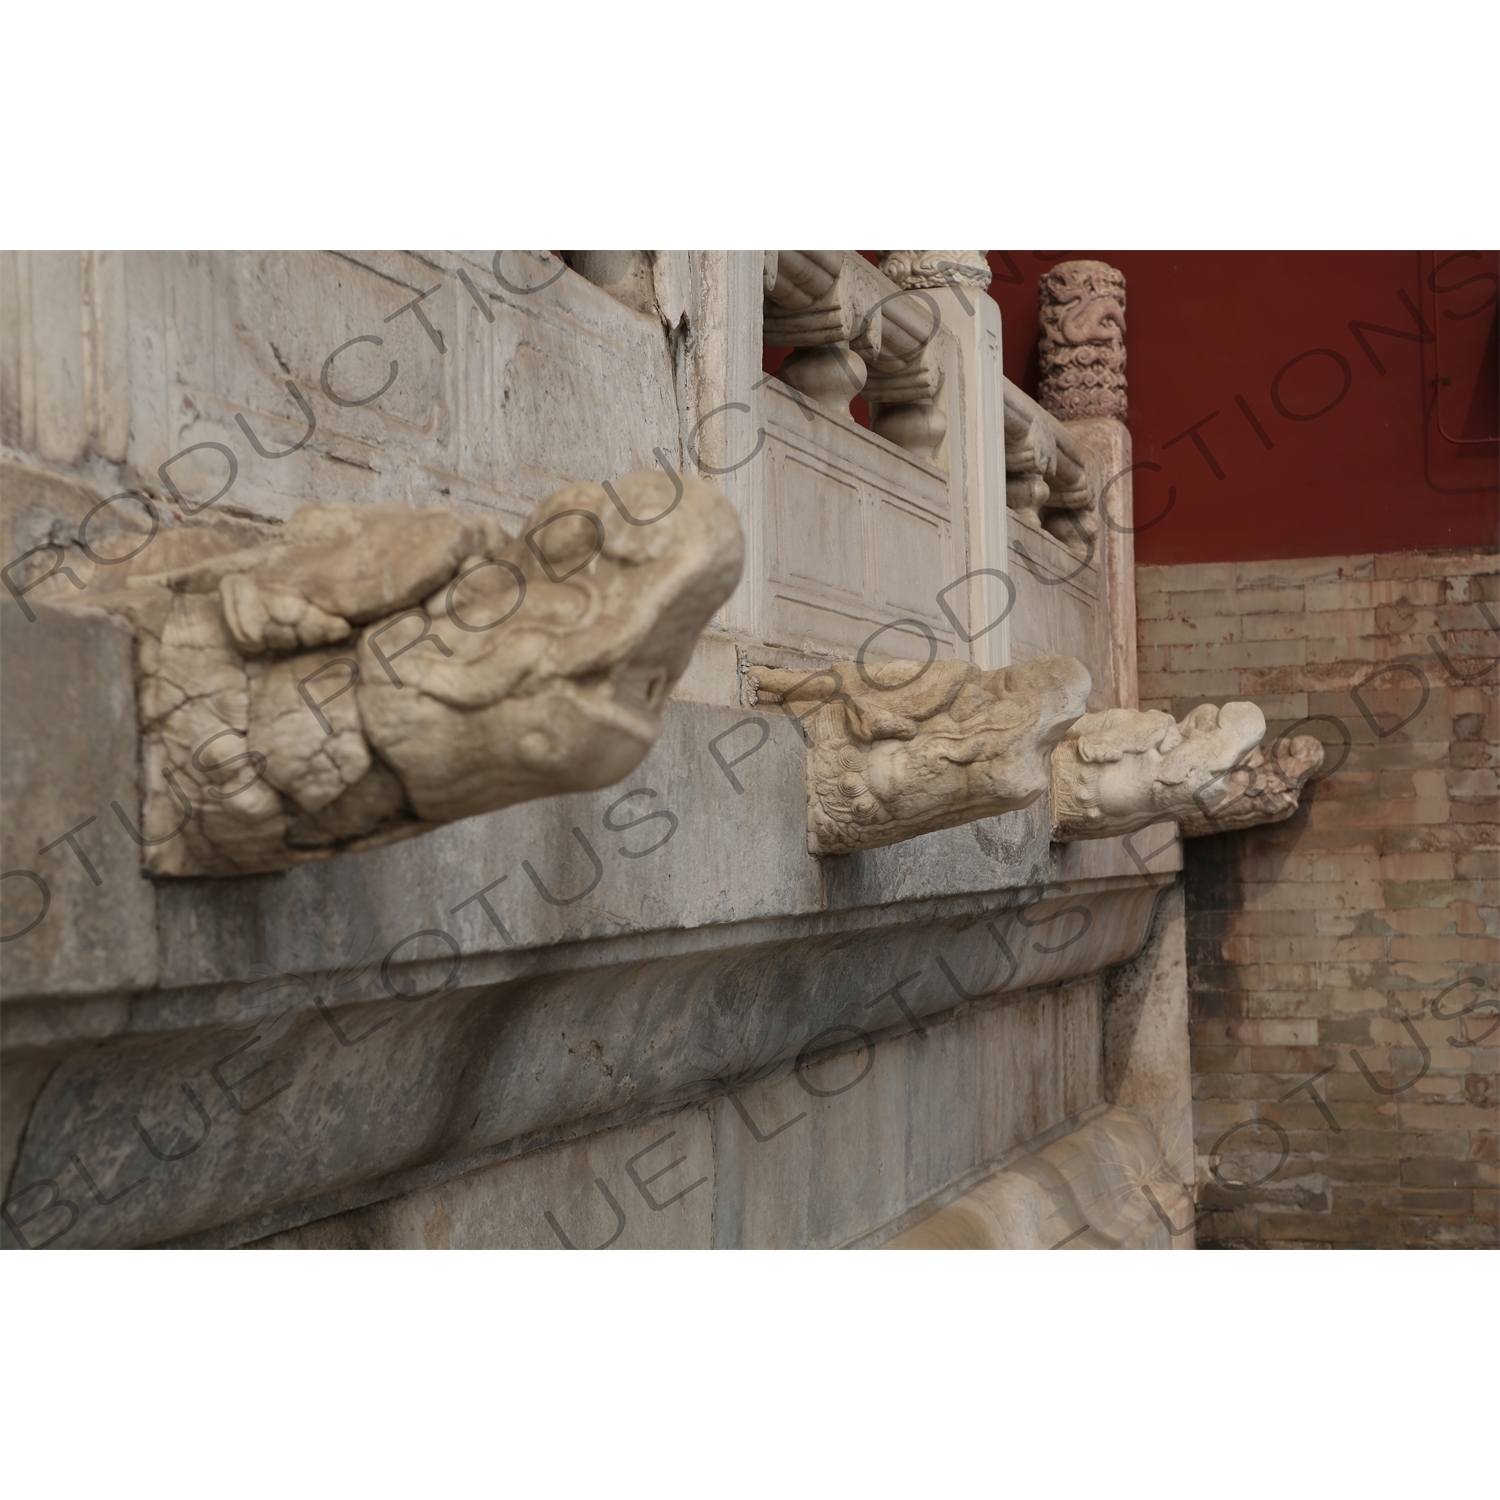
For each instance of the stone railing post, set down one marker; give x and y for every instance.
(1082, 315)
(957, 280)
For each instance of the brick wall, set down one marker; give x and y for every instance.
(1319, 948)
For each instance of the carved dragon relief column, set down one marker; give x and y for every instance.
(1083, 341)
(1082, 350)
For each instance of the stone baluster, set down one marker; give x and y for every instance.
(906, 382)
(852, 331)
(824, 304)
(1046, 469)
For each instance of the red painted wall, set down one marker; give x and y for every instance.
(1368, 442)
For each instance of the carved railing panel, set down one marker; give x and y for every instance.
(861, 535)
(866, 527)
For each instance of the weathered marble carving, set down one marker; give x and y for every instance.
(625, 274)
(1083, 341)
(825, 303)
(363, 674)
(854, 330)
(904, 748)
(1266, 788)
(1121, 770)
(933, 268)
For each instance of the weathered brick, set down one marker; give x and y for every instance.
(1369, 1198)
(1358, 653)
(1235, 1085)
(1280, 626)
(1433, 564)
(1303, 570)
(1256, 683)
(1347, 1084)
(1196, 603)
(1437, 1200)
(1346, 868)
(1263, 921)
(1466, 754)
(1217, 1115)
(1469, 1234)
(1221, 686)
(1406, 893)
(1375, 812)
(1446, 949)
(1260, 1033)
(1420, 921)
(1407, 590)
(1474, 700)
(1356, 1141)
(1282, 710)
(1342, 624)
(1330, 598)
(1268, 601)
(1436, 1087)
(1210, 656)
(1448, 1174)
(1329, 1229)
(1445, 1116)
(1385, 1169)
(1348, 1033)
(1473, 786)
(1352, 780)
(1197, 576)
(1315, 1005)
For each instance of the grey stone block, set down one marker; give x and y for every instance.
(82, 920)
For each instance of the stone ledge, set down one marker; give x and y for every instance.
(327, 1097)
